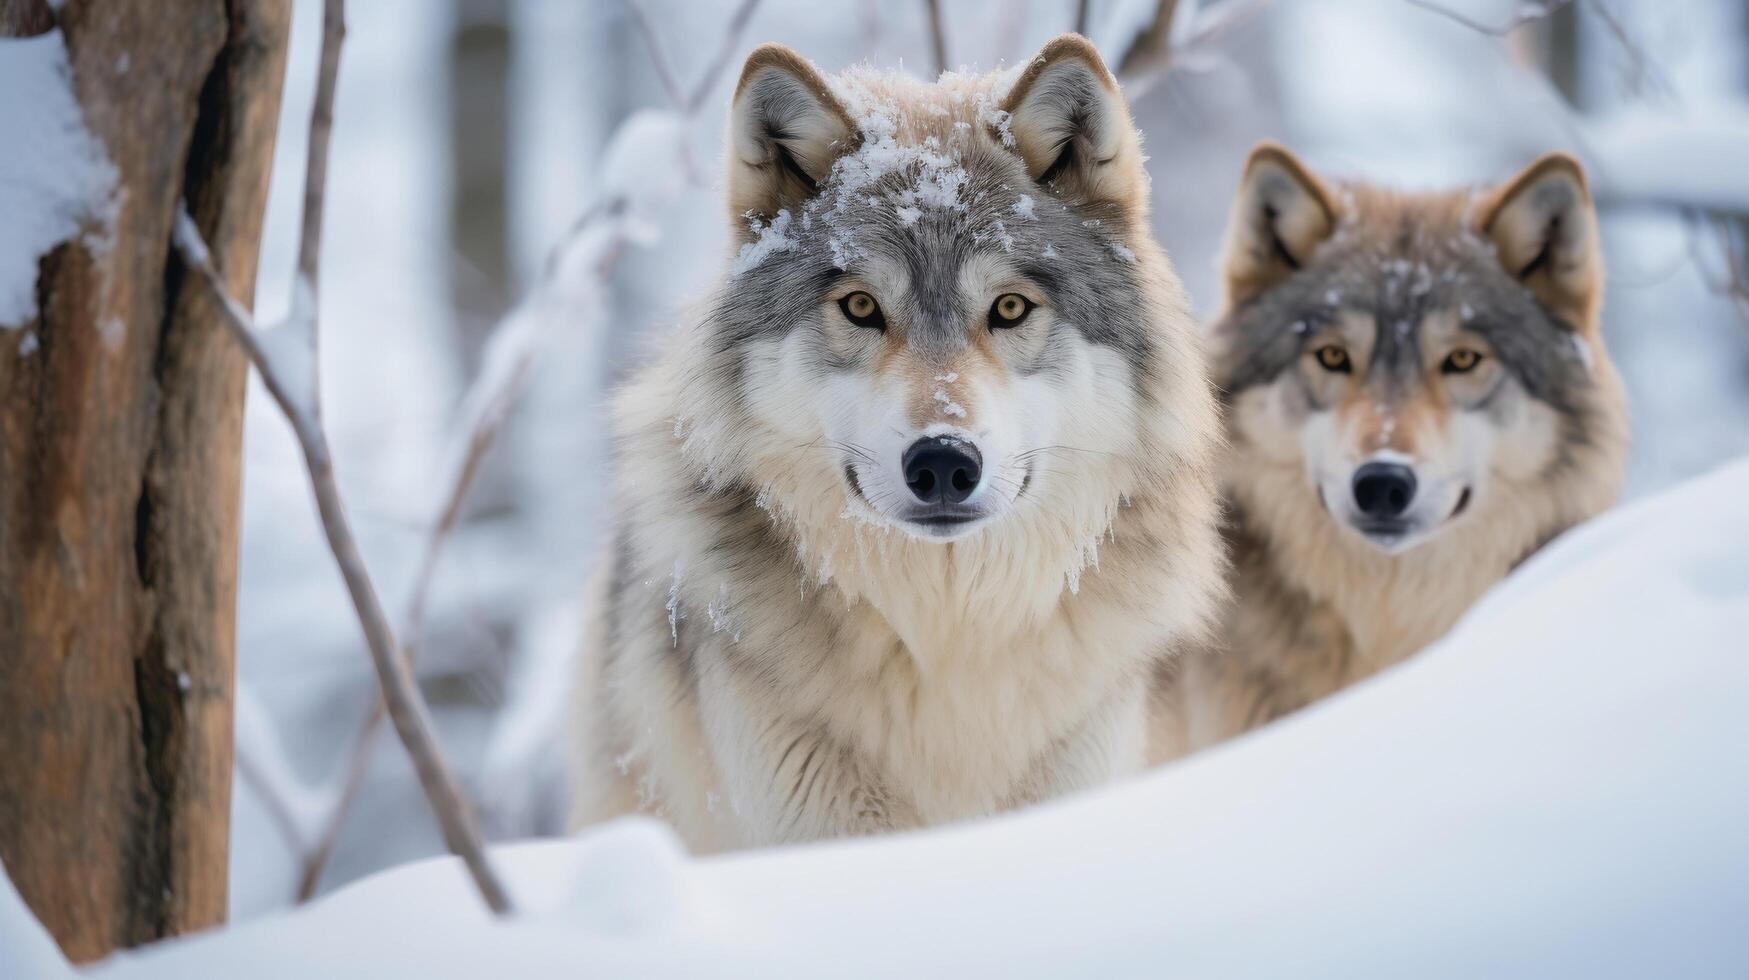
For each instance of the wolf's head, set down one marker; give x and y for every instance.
(1415, 355)
(944, 307)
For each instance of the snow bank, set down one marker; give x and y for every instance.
(56, 180)
(1555, 790)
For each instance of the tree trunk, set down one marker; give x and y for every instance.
(119, 482)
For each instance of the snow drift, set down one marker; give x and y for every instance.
(1558, 788)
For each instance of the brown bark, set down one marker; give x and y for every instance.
(119, 485)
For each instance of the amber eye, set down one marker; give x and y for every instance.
(861, 309)
(1009, 309)
(1461, 361)
(1333, 358)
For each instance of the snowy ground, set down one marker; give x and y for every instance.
(1378, 89)
(1556, 789)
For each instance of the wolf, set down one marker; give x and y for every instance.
(1417, 397)
(906, 513)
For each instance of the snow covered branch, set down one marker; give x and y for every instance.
(285, 357)
(590, 249)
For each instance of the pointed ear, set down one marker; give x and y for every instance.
(785, 130)
(1281, 216)
(1544, 229)
(1068, 121)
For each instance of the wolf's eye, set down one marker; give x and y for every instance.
(1461, 361)
(1009, 309)
(1333, 358)
(861, 309)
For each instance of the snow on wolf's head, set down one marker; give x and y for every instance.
(1419, 362)
(944, 314)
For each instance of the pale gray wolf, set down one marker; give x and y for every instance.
(1418, 397)
(909, 510)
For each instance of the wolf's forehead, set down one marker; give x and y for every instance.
(1411, 283)
(926, 209)
(911, 110)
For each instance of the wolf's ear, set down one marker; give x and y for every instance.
(1283, 212)
(785, 130)
(1544, 229)
(1069, 123)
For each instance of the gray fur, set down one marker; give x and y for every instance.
(1103, 300)
(1402, 286)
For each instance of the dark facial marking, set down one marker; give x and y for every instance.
(1416, 276)
(1091, 290)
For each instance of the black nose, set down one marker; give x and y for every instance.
(1384, 489)
(939, 469)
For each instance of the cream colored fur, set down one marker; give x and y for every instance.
(862, 679)
(1316, 607)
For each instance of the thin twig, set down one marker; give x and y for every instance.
(658, 57)
(1639, 72)
(937, 34)
(1171, 40)
(487, 426)
(488, 423)
(1082, 13)
(707, 82)
(1153, 43)
(1733, 282)
(400, 690)
(278, 809)
(321, 130)
(1528, 13)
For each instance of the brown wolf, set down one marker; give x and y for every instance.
(1418, 397)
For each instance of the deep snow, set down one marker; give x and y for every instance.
(1555, 789)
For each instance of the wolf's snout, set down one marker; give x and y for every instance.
(942, 470)
(1383, 490)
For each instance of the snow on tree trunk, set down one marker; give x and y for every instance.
(121, 401)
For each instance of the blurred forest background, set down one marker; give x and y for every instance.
(470, 134)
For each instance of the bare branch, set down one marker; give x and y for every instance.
(1528, 13)
(707, 82)
(1178, 35)
(1153, 44)
(1081, 15)
(314, 860)
(487, 422)
(400, 690)
(1639, 73)
(321, 129)
(658, 57)
(1733, 281)
(937, 35)
(279, 810)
